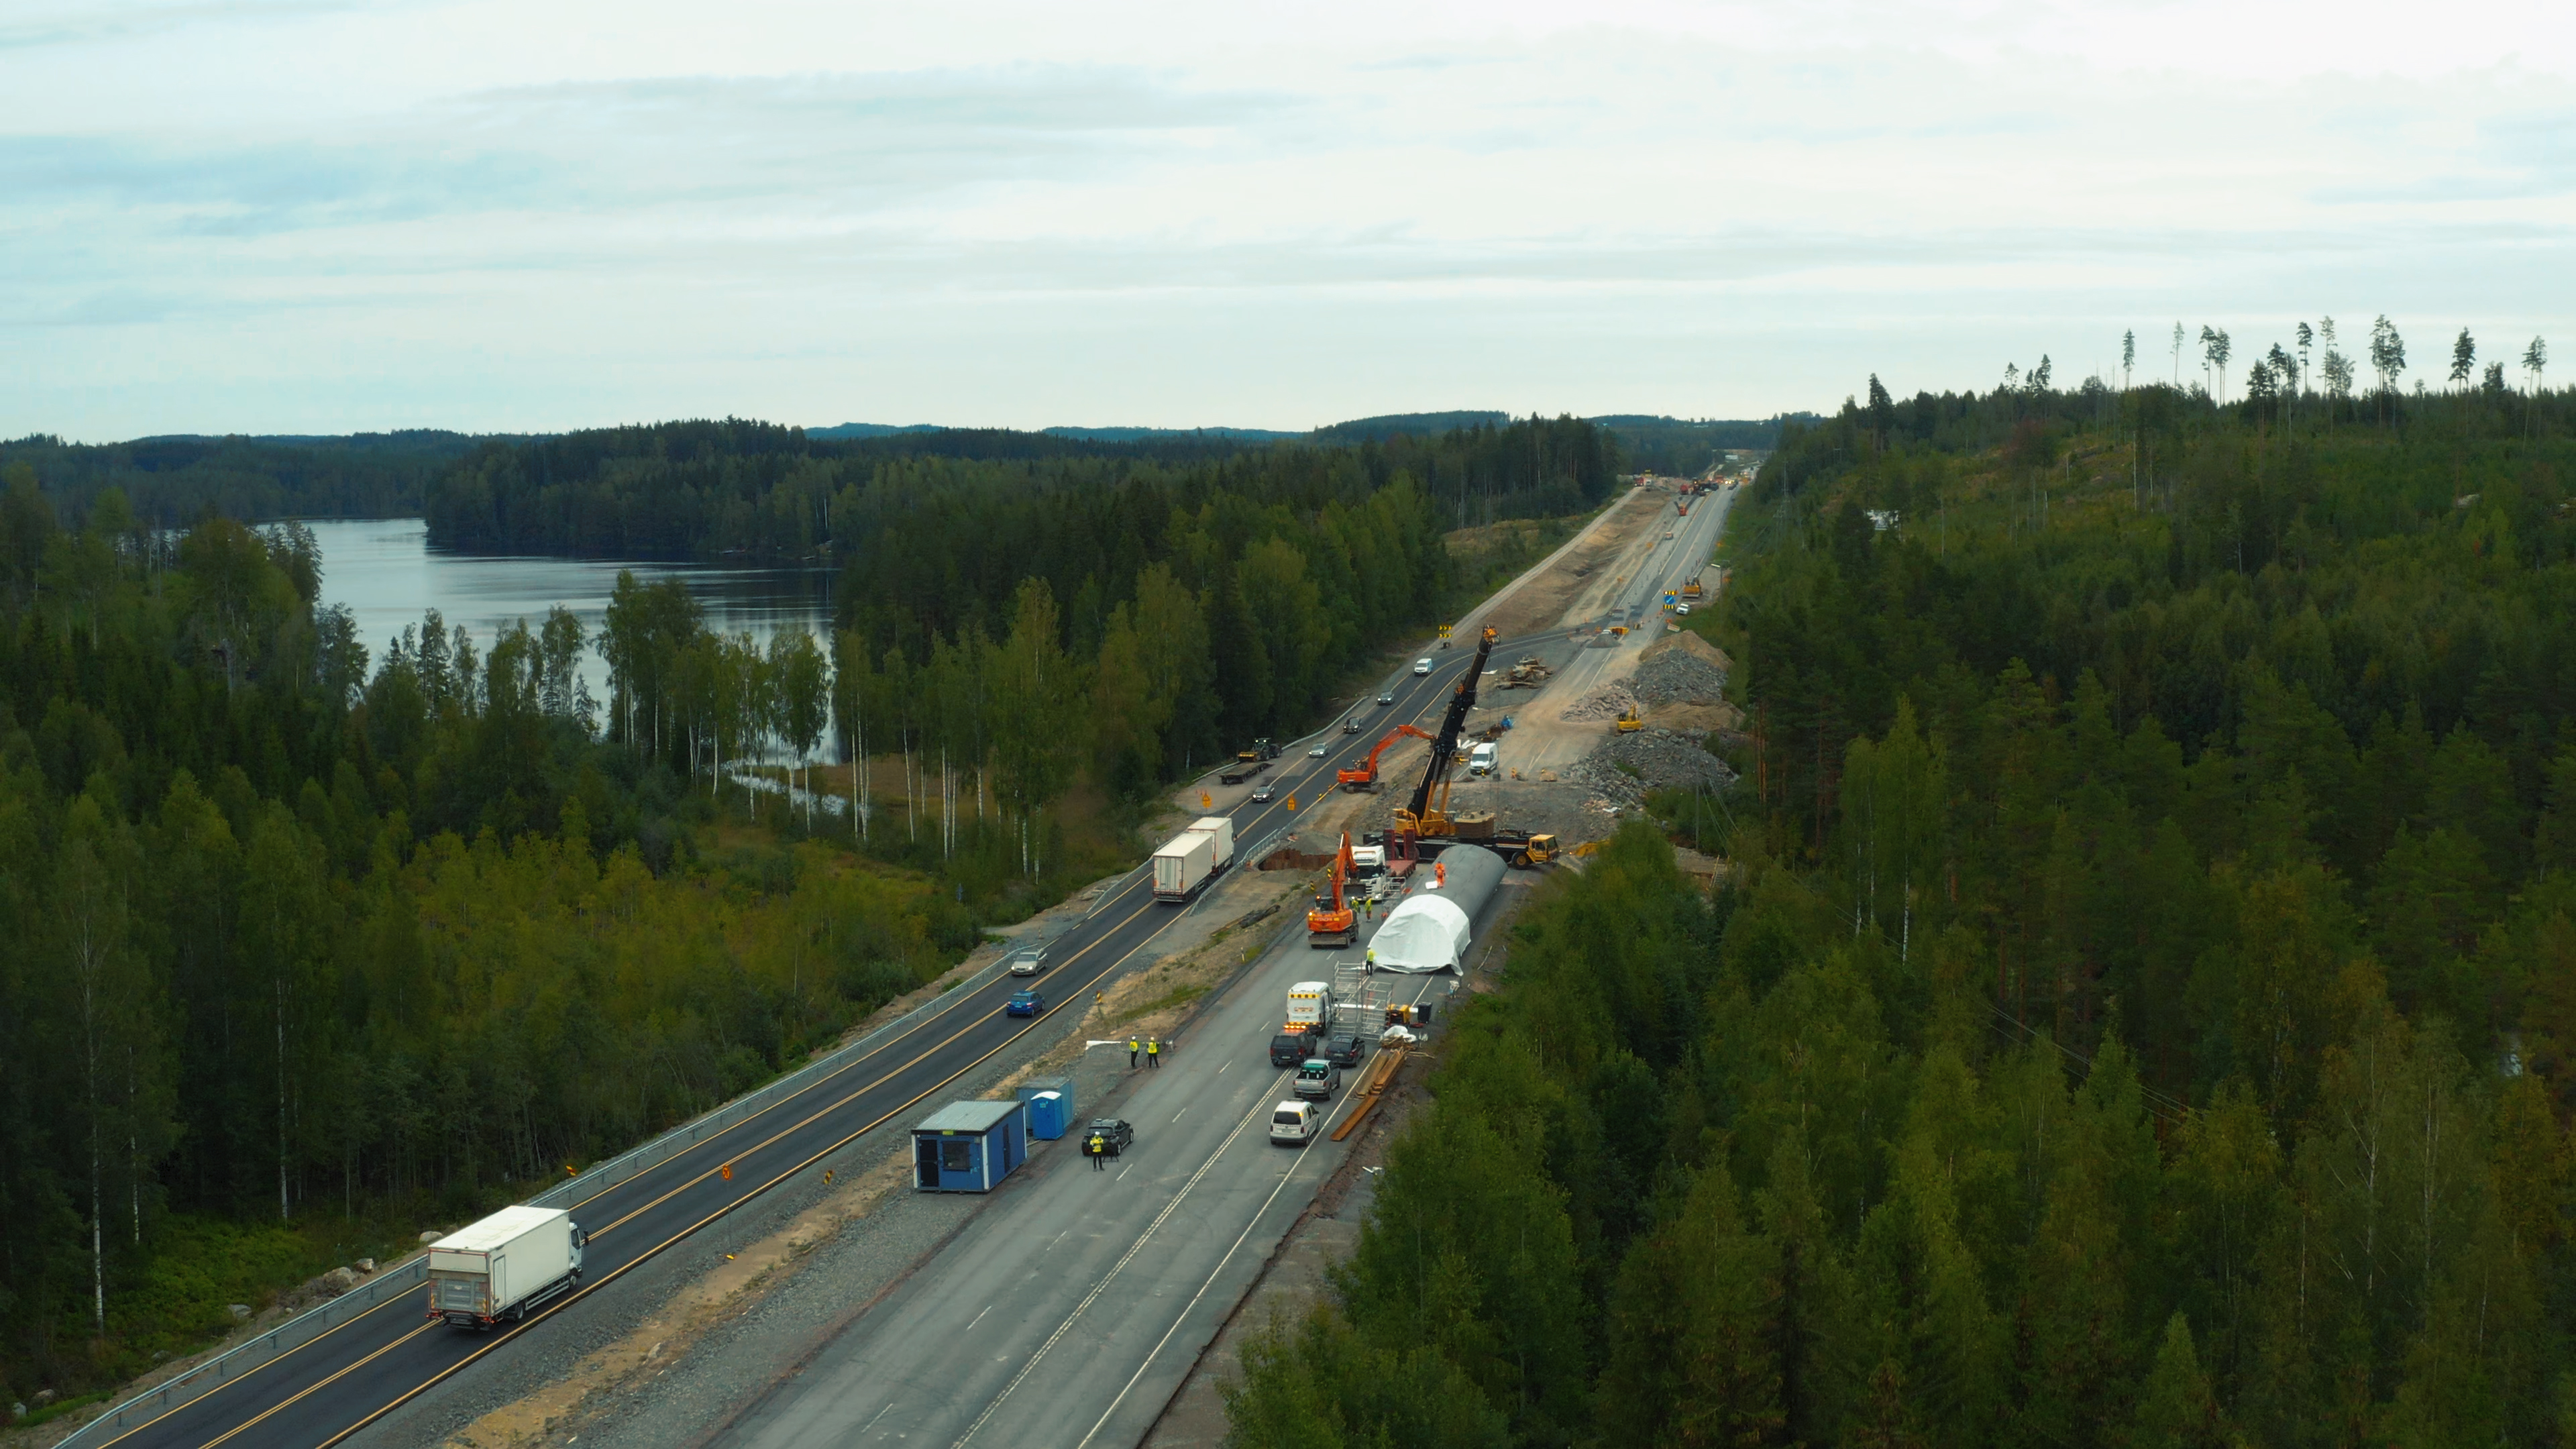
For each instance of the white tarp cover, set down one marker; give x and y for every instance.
(1425, 934)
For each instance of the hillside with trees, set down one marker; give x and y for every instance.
(2139, 1004)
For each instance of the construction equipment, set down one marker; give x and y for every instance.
(1630, 721)
(1251, 762)
(1691, 590)
(1361, 777)
(1333, 925)
(1423, 817)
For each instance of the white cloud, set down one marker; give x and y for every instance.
(312, 216)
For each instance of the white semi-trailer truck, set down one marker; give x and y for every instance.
(496, 1270)
(1185, 864)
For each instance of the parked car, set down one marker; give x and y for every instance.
(1291, 1048)
(1029, 962)
(1682, 609)
(1294, 1123)
(1316, 753)
(1317, 1080)
(1025, 1003)
(1115, 1131)
(1345, 1049)
(1263, 795)
(1387, 698)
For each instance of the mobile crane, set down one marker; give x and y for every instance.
(1429, 819)
(1331, 924)
(1361, 777)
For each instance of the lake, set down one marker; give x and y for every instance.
(388, 575)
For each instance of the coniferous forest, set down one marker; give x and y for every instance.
(2139, 1004)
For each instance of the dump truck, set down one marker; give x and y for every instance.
(495, 1270)
(1186, 862)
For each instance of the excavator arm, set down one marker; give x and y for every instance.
(1362, 774)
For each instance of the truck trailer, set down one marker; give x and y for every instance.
(495, 1270)
(1185, 864)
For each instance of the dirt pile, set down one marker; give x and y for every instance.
(1656, 759)
(1606, 703)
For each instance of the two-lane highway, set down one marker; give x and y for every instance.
(339, 1382)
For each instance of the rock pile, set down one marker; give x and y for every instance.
(1676, 677)
(1606, 703)
(1662, 760)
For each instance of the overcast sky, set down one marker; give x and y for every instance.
(315, 216)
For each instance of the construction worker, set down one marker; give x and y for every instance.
(1098, 1147)
(1131, 1053)
(1153, 1053)
(1372, 958)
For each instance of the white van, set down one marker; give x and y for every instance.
(1295, 1123)
(1480, 760)
(1422, 665)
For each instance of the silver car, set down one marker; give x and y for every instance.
(1029, 962)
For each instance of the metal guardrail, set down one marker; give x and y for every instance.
(305, 1327)
(222, 1369)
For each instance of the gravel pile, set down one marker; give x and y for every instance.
(1662, 759)
(1607, 702)
(1676, 677)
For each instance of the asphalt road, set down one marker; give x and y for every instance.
(337, 1384)
(1070, 1309)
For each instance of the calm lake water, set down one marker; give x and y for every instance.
(388, 575)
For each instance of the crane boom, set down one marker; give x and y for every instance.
(1463, 700)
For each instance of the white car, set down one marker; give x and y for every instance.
(1422, 666)
(1029, 962)
(1295, 1123)
(1682, 609)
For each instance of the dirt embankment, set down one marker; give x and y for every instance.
(1541, 603)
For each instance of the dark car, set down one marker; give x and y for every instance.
(1114, 1131)
(1025, 1003)
(1387, 698)
(1290, 1049)
(1344, 1050)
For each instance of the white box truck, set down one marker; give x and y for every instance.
(1186, 862)
(496, 1270)
(1220, 829)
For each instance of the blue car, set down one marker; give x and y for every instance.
(1025, 1003)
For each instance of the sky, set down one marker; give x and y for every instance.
(317, 216)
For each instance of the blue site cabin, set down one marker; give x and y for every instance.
(969, 1146)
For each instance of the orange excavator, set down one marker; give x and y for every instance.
(1330, 925)
(1361, 777)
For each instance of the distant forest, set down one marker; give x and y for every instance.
(2138, 1003)
(172, 482)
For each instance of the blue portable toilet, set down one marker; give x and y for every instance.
(969, 1146)
(1056, 1120)
(1046, 1115)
